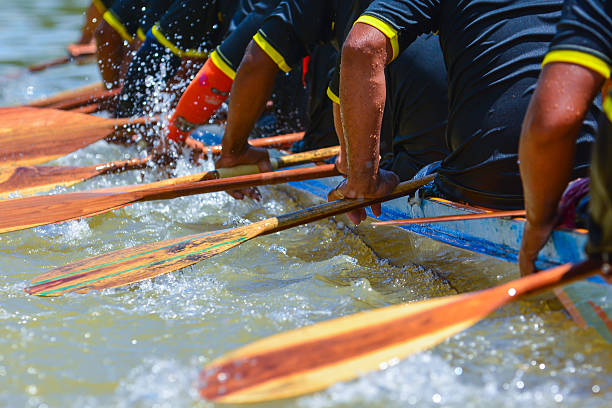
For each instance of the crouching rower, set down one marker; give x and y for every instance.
(118, 36)
(290, 33)
(181, 36)
(493, 64)
(577, 64)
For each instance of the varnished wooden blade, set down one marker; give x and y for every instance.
(28, 212)
(31, 136)
(66, 95)
(314, 357)
(27, 180)
(146, 261)
(142, 262)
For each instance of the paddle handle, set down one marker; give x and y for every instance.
(341, 206)
(271, 141)
(95, 96)
(122, 165)
(312, 156)
(549, 279)
(65, 95)
(135, 121)
(281, 162)
(250, 180)
(457, 217)
(53, 63)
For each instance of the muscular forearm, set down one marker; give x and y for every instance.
(362, 97)
(548, 138)
(251, 90)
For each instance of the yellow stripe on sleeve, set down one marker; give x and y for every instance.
(114, 22)
(175, 50)
(331, 95)
(100, 6)
(579, 58)
(271, 51)
(385, 28)
(222, 65)
(607, 107)
(141, 34)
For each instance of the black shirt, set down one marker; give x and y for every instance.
(493, 51)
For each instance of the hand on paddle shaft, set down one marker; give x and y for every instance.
(249, 155)
(381, 185)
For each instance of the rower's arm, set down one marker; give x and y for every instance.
(365, 54)
(547, 147)
(251, 90)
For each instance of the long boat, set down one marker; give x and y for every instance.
(589, 302)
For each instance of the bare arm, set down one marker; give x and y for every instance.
(547, 147)
(365, 53)
(250, 91)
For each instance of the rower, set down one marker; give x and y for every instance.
(493, 64)
(180, 39)
(289, 34)
(575, 68)
(211, 86)
(117, 36)
(93, 16)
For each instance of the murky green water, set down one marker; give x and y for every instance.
(144, 345)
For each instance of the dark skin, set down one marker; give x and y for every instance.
(113, 56)
(547, 148)
(92, 19)
(365, 54)
(251, 90)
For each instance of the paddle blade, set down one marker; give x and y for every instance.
(142, 262)
(312, 358)
(27, 180)
(32, 136)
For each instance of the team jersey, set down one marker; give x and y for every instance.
(125, 16)
(493, 52)
(296, 27)
(190, 28)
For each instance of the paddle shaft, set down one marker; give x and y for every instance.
(342, 206)
(66, 95)
(458, 217)
(96, 96)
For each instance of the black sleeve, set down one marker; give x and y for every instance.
(293, 28)
(585, 27)
(402, 21)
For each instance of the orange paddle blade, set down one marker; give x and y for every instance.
(314, 357)
(27, 180)
(31, 212)
(31, 135)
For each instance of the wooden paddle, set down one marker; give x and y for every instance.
(458, 217)
(94, 97)
(86, 52)
(314, 357)
(31, 212)
(150, 260)
(66, 95)
(28, 180)
(33, 135)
